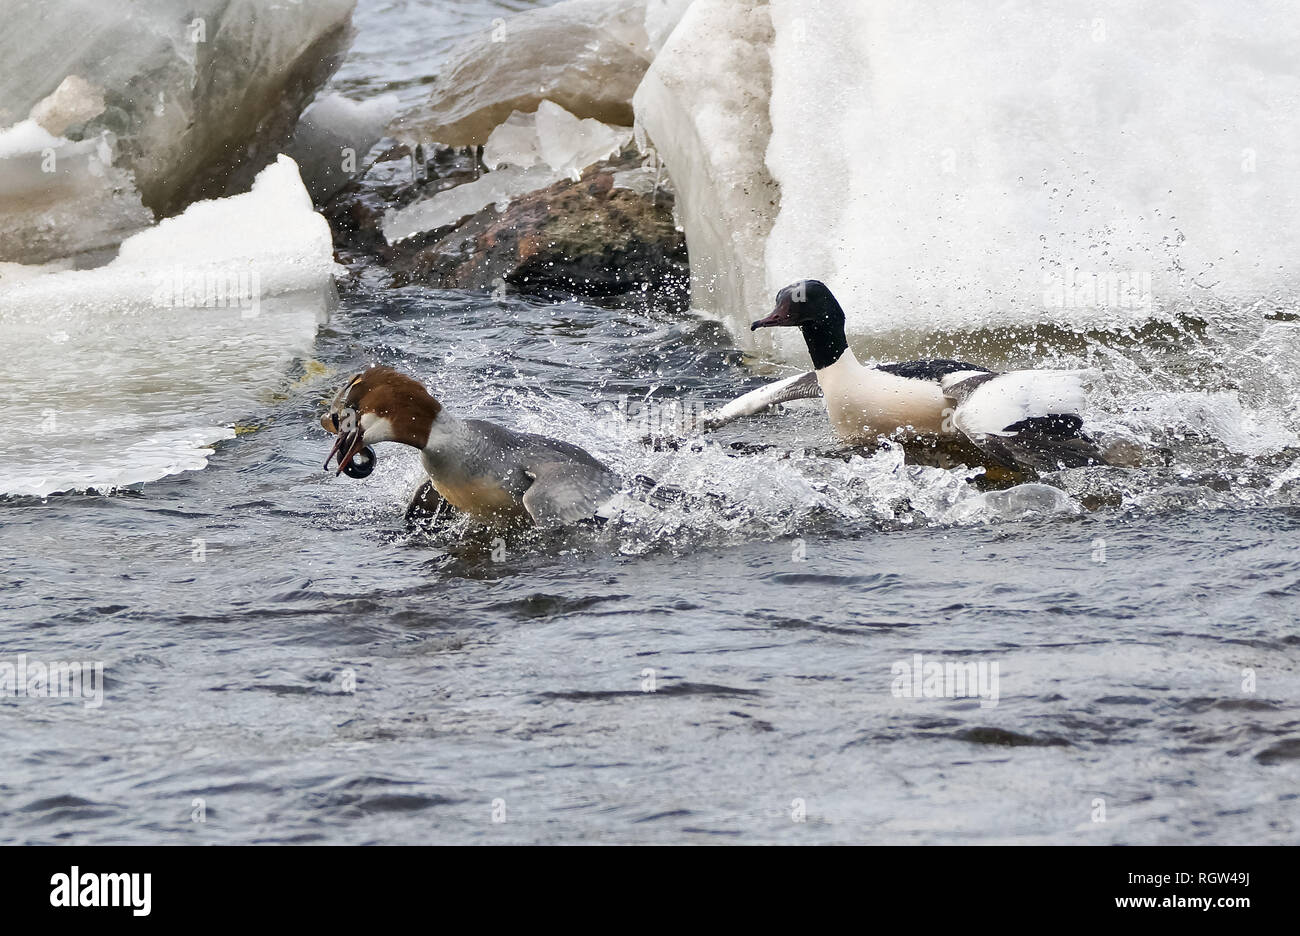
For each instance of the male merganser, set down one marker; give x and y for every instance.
(492, 473)
(1018, 419)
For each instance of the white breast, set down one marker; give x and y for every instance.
(864, 403)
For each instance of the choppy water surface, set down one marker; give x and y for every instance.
(521, 681)
(327, 674)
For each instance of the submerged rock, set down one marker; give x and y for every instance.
(588, 56)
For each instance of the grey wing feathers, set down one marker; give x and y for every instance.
(799, 387)
(564, 492)
(959, 389)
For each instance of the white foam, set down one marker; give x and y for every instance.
(1219, 415)
(953, 165)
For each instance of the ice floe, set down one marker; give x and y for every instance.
(132, 370)
(585, 55)
(198, 94)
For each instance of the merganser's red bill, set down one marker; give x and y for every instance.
(781, 316)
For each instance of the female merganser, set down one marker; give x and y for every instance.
(1018, 419)
(492, 473)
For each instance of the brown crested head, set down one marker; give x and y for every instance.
(379, 405)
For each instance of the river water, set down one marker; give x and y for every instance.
(286, 660)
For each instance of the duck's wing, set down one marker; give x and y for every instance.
(1025, 419)
(798, 387)
(426, 503)
(566, 491)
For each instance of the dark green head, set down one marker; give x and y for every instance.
(809, 306)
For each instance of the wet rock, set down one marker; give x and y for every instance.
(588, 56)
(396, 176)
(584, 237)
(527, 153)
(607, 234)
